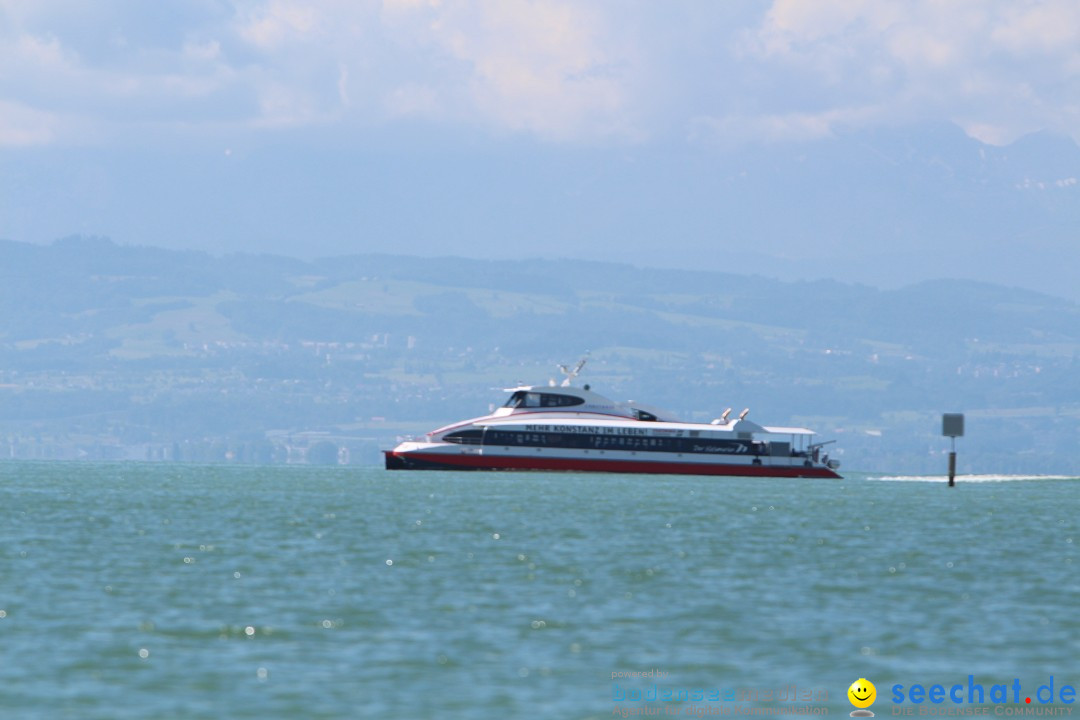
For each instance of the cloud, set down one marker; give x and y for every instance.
(562, 71)
(547, 68)
(997, 68)
(80, 83)
(731, 131)
(411, 100)
(21, 126)
(544, 68)
(278, 23)
(538, 67)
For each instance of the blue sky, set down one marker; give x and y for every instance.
(602, 129)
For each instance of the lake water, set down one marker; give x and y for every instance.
(171, 591)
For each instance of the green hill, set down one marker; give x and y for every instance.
(109, 351)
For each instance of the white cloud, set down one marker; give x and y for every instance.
(21, 126)
(735, 130)
(559, 70)
(540, 67)
(103, 92)
(1044, 28)
(998, 68)
(546, 68)
(202, 51)
(280, 22)
(413, 101)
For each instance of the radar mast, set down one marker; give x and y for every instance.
(573, 373)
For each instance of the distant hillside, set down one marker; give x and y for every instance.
(109, 351)
(889, 205)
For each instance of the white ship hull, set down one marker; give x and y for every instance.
(441, 456)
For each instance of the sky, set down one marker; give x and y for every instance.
(602, 129)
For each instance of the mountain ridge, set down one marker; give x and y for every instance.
(184, 347)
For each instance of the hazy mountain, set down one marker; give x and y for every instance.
(886, 207)
(135, 351)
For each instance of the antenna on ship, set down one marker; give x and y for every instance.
(571, 374)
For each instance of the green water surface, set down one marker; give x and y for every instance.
(170, 591)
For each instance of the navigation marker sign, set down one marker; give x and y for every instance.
(952, 426)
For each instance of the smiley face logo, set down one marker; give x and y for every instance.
(862, 694)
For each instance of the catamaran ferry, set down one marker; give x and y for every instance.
(544, 427)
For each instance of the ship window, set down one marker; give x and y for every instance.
(465, 437)
(646, 416)
(551, 400)
(522, 398)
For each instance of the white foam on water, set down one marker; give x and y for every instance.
(969, 478)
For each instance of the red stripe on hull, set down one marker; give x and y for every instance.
(494, 462)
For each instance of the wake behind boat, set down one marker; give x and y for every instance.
(544, 427)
